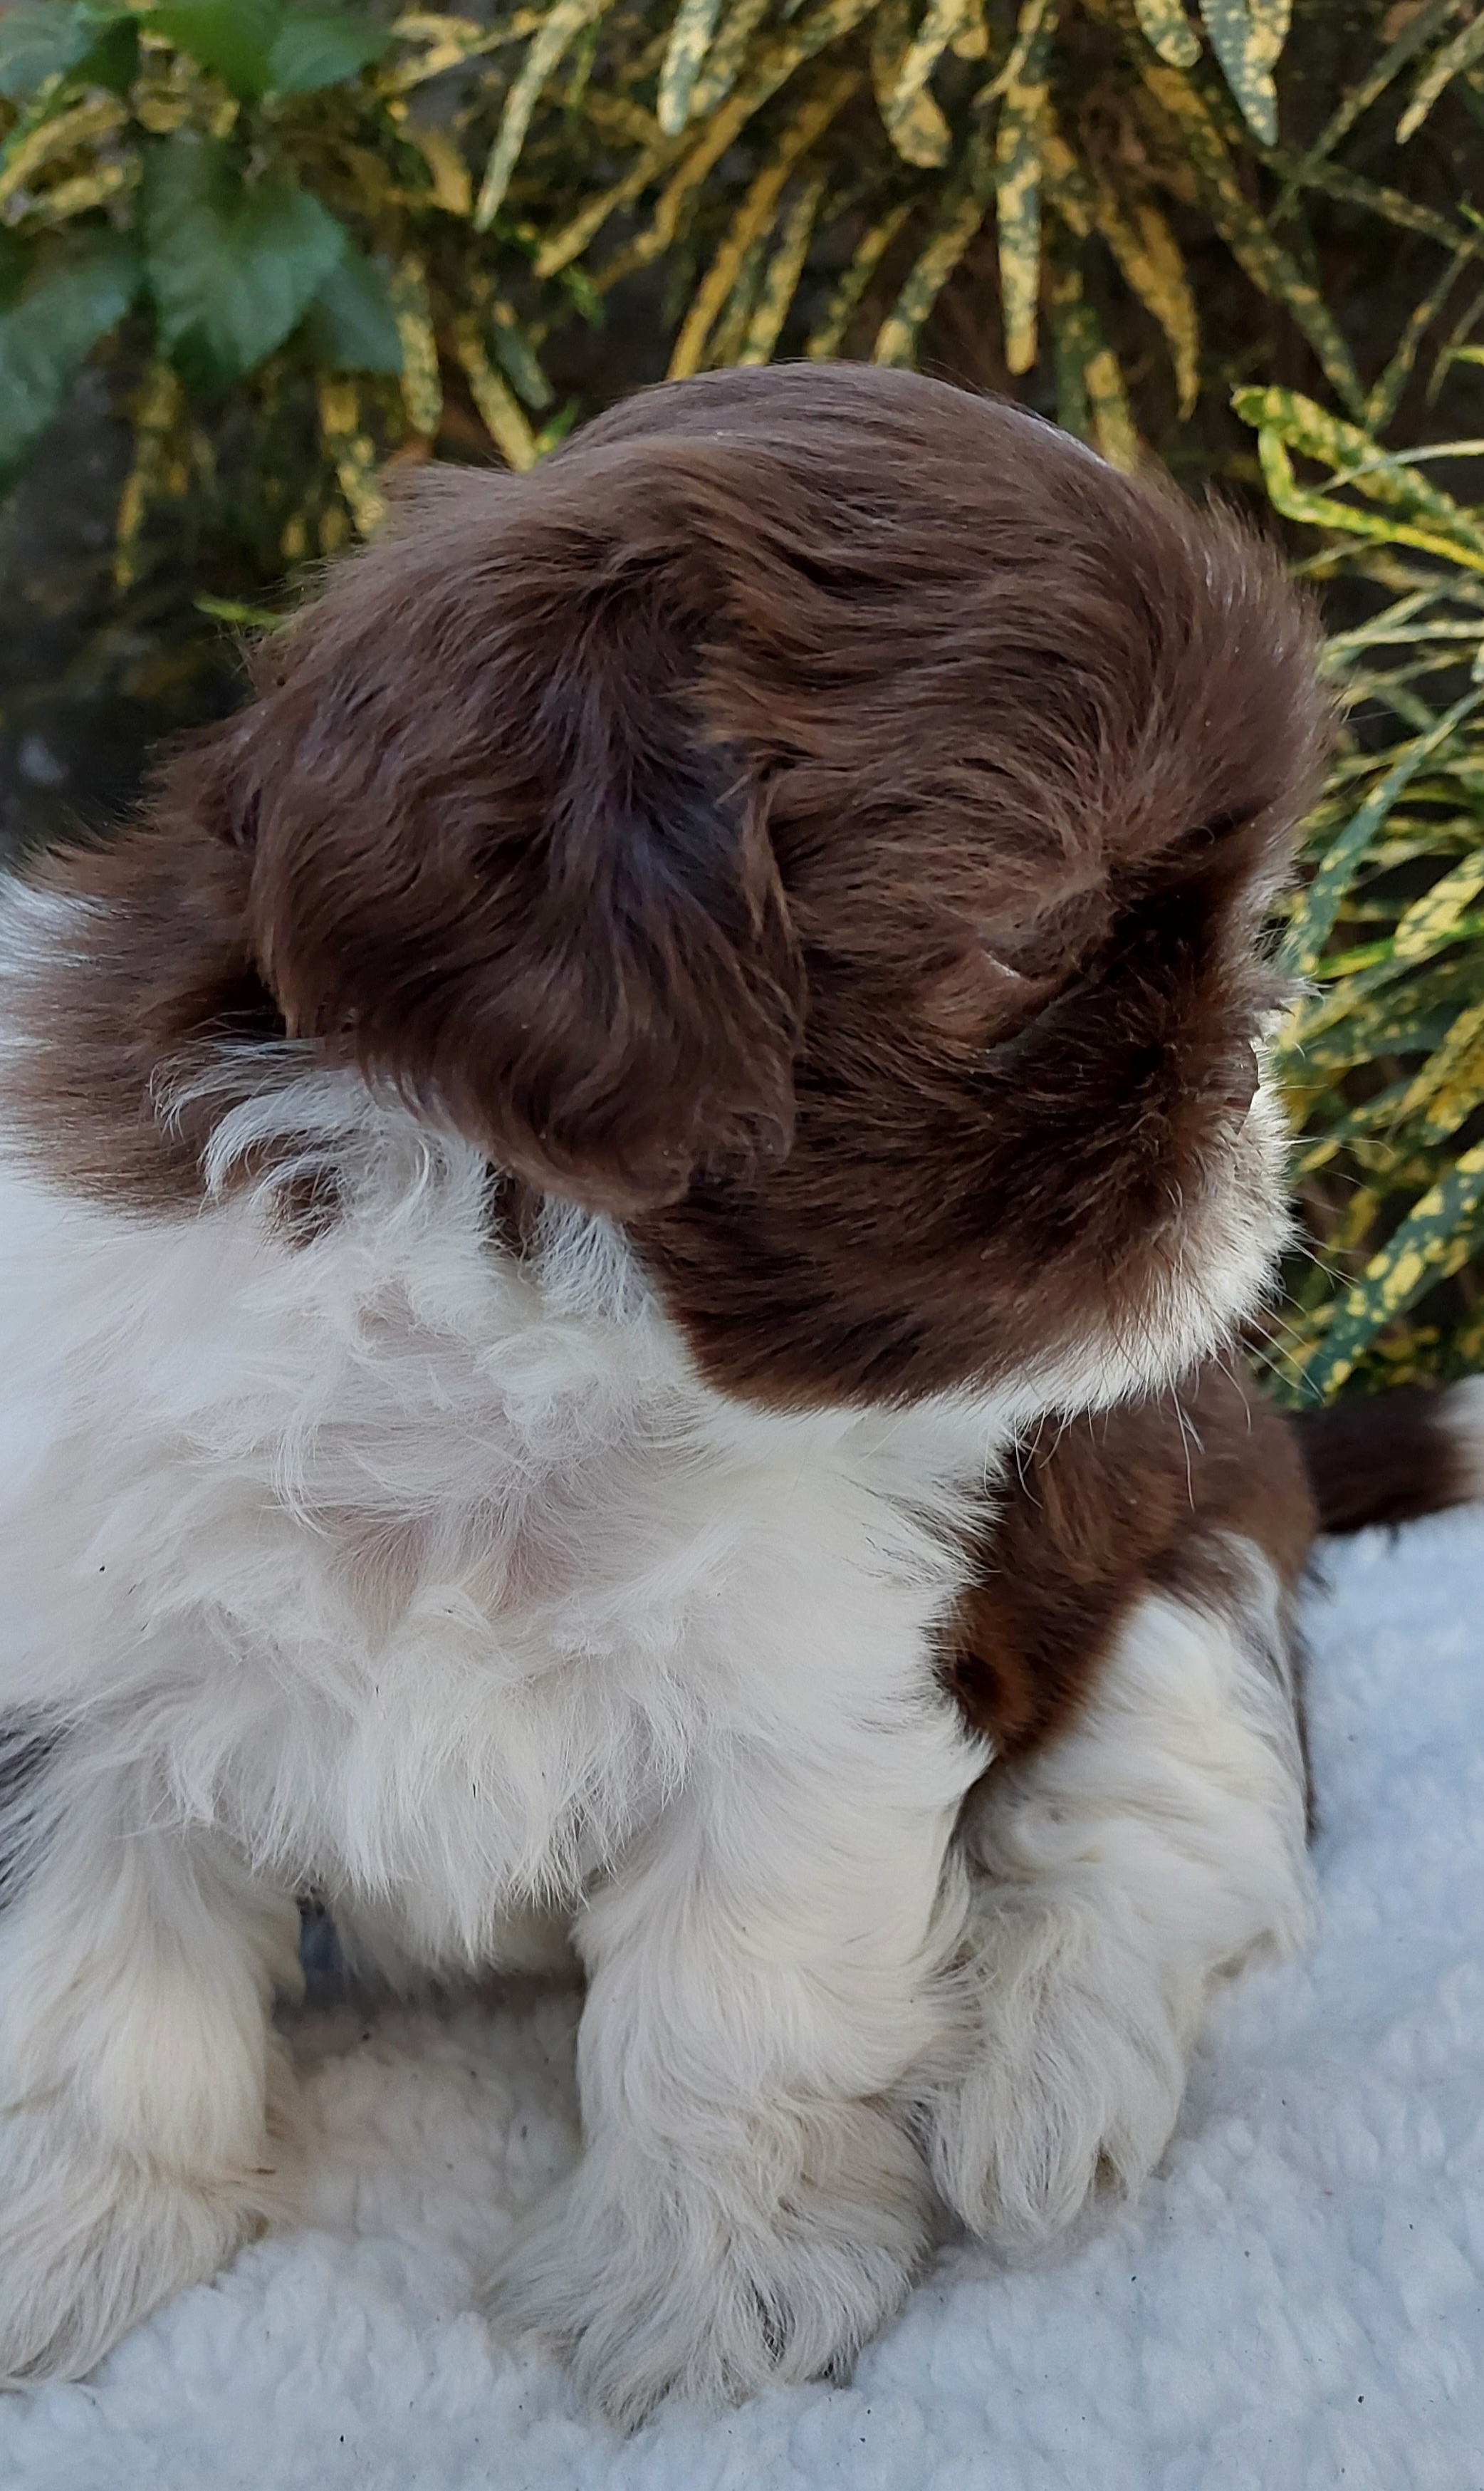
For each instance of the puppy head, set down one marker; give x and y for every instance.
(823, 820)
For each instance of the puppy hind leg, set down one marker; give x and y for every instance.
(1116, 1874)
(146, 2111)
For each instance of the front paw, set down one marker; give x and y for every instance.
(711, 2281)
(91, 2246)
(94, 2236)
(1069, 2073)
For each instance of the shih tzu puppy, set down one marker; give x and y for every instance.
(616, 1213)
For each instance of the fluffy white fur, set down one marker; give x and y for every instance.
(383, 1565)
(1152, 1847)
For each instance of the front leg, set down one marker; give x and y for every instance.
(146, 2111)
(763, 1971)
(1145, 1850)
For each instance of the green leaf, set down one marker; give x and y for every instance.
(522, 366)
(245, 618)
(45, 335)
(1018, 178)
(43, 39)
(233, 266)
(315, 48)
(1465, 48)
(38, 42)
(114, 59)
(234, 37)
(351, 323)
(1165, 24)
(695, 23)
(964, 206)
(1243, 45)
(1251, 244)
(558, 29)
(1313, 918)
(1430, 921)
(1433, 1241)
(1418, 31)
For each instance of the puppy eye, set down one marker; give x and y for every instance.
(1213, 833)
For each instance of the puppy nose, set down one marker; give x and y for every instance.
(1238, 1087)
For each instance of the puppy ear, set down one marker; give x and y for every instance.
(498, 856)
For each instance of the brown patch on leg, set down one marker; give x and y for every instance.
(1112, 1507)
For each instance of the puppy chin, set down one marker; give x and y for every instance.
(1207, 1280)
(1238, 1235)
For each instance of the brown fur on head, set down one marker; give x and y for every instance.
(821, 819)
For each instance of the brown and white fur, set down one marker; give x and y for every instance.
(608, 1209)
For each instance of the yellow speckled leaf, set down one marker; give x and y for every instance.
(85, 190)
(500, 410)
(1018, 183)
(1244, 48)
(695, 23)
(1092, 399)
(918, 129)
(1321, 511)
(558, 31)
(824, 339)
(1386, 390)
(1271, 23)
(723, 63)
(1075, 338)
(1066, 185)
(571, 240)
(157, 411)
(1455, 1098)
(729, 334)
(422, 386)
(82, 127)
(1036, 17)
(755, 216)
(774, 68)
(1357, 459)
(447, 43)
(919, 133)
(1433, 1241)
(1434, 523)
(1113, 423)
(962, 214)
(1167, 27)
(780, 279)
(889, 34)
(1359, 1029)
(1264, 260)
(515, 352)
(352, 451)
(452, 189)
(1317, 908)
(1446, 1062)
(970, 39)
(1149, 257)
(1466, 47)
(1431, 919)
(1419, 29)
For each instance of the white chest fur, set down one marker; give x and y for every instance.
(425, 1573)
